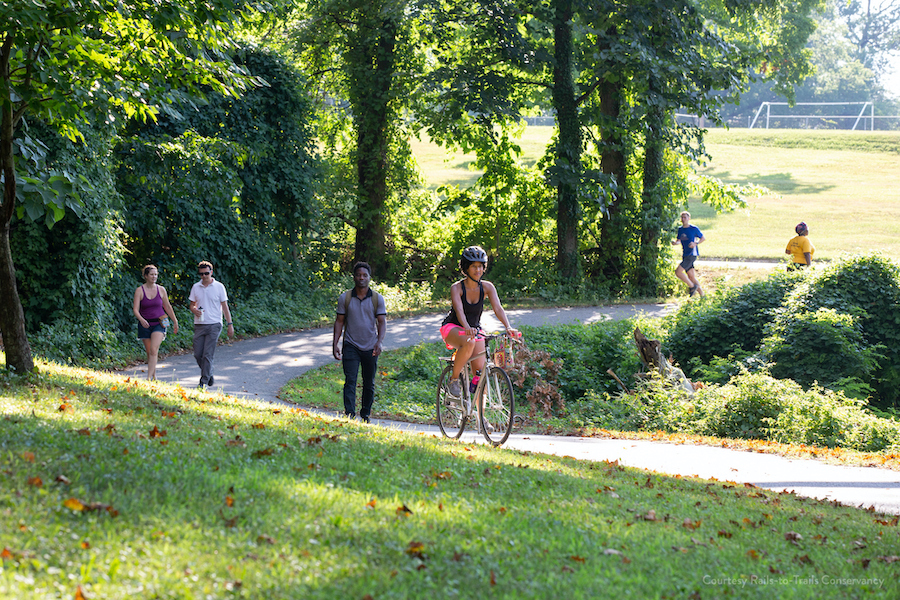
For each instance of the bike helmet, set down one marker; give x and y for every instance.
(470, 255)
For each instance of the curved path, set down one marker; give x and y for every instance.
(258, 368)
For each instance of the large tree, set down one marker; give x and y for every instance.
(71, 62)
(356, 53)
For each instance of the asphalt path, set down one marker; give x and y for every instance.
(258, 368)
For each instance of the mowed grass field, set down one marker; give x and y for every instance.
(844, 184)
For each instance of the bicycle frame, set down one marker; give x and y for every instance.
(491, 403)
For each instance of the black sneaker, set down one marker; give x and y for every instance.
(211, 381)
(454, 389)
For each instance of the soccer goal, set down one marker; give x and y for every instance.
(860, 117)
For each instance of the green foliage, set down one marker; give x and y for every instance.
(821, 346)
(232, 183)
(731, 321)
(867, 287)
(751, 406)
(585, 352)
(83, 282)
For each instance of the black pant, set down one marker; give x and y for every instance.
(353, 358)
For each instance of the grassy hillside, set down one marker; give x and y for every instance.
(844, 184)
(115, 488)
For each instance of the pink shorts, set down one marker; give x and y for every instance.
(446, 329)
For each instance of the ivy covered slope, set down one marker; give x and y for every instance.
(231, 180)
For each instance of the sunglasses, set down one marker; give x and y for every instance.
(204, 272)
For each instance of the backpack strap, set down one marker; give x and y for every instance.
(375, 298)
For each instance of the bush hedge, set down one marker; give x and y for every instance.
(751, 406)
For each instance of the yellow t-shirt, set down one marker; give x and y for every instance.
(798, 246)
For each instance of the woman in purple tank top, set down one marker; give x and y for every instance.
(151, 305)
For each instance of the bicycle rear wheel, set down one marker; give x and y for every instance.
(496, 409)
(450, 415)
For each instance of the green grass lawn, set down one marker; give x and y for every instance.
(114, 488)
(844, 184)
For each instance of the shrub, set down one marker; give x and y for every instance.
(725, 323)
(822, 346)
(751, 406)
(867, 287)
(654, 406)
(585, 352)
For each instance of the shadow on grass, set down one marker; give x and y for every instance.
(780, 183)
(288, 505)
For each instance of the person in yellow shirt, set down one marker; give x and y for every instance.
(800, 248)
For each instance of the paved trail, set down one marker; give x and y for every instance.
(258, 368)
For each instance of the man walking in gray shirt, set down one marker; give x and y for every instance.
(362, 317)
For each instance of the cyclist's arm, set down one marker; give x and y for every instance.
(491, 292)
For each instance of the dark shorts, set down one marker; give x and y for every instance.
(144, 332)
(687, 262)
(794, 266)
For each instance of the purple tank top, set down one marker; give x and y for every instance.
(151, 308)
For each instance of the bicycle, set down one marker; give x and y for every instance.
(492, 403)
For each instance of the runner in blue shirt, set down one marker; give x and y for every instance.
(690, 238)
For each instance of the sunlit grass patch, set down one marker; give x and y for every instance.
(153, 491)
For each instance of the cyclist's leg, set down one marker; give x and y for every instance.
(465, 347)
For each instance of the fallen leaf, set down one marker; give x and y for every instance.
(155, 433)
(258, 426)
(265, 538)
(416, 550)
(577, 558)
(85, 545)
(689, 524)
(889, 559)
(370, 503)
(493, 578)
(35, 481)
(74, 504)
(753, 554)
(84, 431)
(793, 537)
(403, 511)
(28, 456)
(263, 452)
(229, 501)
(79, 594)
(6, 554)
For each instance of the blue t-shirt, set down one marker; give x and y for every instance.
(686, 235)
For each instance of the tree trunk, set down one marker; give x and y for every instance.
(12, 317)
(568, 152)
(613, 229)
(651, 202)
(371, 96)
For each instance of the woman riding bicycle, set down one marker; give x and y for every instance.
(460, 329)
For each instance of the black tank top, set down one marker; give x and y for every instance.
(472, 311)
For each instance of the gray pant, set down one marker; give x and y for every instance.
(205, 339)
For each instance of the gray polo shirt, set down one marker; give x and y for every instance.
(360, 327)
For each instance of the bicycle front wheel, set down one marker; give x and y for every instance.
(496, 408)
(451, 417)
